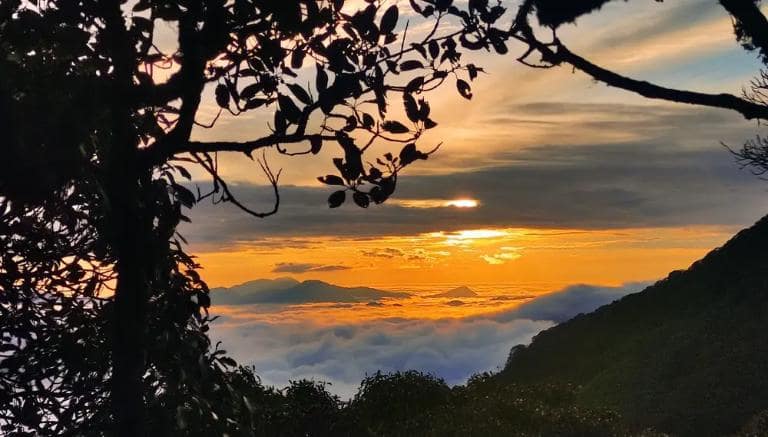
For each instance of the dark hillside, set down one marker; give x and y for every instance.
(688, 355)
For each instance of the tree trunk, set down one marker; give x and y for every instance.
(132, 241)
(129, 226)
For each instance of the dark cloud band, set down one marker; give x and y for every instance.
(678, 175)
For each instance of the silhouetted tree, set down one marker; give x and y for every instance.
(103, 314)
(397, 404)
(750, 28)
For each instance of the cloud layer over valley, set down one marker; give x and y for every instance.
(342, 352)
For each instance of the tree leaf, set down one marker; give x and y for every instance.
(464, 89)
(415, 84)
(411, 65)
(336, 199)
(408, 153)
(250, 91)
(255, 103)
(361, 199)
(389, 20)
(374, 173)
(297, 57)
(395, 127)
(315, 144)
(300, 93)
(321, 79)
(290, 111)
(368, 121)
(411, 108)
(142, 5)
(377, 195)
(222, 95)
(420, 48)
(184, 195)
(434, 49)
(331, 180)
(227, 361)
(415, 6)
(472, 70)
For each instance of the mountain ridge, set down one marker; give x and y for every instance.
(686, 355)
(461, 291)
(291, 291)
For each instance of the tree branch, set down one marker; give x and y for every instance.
(154, 155)
(555, 53)
(749, 110)
(212, 169)
(246, 147)
(750, 21)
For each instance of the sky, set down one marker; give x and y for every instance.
(549, 189)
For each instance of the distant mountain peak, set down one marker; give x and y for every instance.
(314, 282)
(462, 291)
(259, 284)
(287, 291)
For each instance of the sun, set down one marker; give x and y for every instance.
(462, 203)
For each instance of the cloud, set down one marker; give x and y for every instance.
(387, 252)
(454, 349)
(681, 14)
(344, 354)
(306, 268)
(506, 254)
(569, 302)
(671, 171)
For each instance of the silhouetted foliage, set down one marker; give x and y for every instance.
(404, 403)
(554, 13)
(416, 404)
(749, 24)
(104, 314)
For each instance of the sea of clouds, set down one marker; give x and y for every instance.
(454, 349)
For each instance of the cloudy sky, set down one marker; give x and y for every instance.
(561, 181)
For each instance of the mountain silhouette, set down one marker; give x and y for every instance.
(457, 292)
(291, 291)
(687, 355)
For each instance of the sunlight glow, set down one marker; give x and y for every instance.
(476, 234)
(462, 203)
(469, 236)
(469, 256)
(438, 203)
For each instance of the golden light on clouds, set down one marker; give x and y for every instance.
(506, 254)
(437, 203)
(475, 234)
(468, 237)
(537, 259)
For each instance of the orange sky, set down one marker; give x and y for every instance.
(541, 258)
